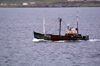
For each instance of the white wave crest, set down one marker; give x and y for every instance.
(94, 40)
(42, 40)
(38, 40)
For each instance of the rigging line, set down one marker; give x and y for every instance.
(52, 26)
(53, 23)
(48, 29)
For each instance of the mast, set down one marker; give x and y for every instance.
(60, 26)
(43, 23)
(68, 26)
(77, 21)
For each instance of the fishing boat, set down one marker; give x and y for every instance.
(70, 33)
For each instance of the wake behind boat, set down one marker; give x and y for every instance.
(70, 33)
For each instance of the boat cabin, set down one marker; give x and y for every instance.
(72, 32)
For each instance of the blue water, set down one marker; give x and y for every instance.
(16, 35)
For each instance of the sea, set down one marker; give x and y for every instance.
(17, 47)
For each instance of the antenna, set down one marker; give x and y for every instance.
(68, 26)
(77, 21)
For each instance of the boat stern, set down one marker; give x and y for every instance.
(85, 37)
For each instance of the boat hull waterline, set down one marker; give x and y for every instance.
(51, 37)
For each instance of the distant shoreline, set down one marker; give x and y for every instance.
(46, 7)
(57, 4)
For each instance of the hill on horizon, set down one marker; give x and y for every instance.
(19, 1)
(48, 3)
